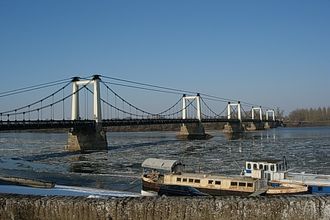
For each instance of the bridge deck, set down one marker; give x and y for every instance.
(66, 124)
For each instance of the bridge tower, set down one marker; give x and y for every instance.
(256, 109)
(270, 123)
(256, 123)
(87, 138)
(234, 126)
(192, 131)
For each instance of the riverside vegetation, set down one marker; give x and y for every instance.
(307, 117)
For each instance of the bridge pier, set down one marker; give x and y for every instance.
(233, 127)
(234, 130)
(193, 131)
(254, 126)
(87, 139)
(269, 125)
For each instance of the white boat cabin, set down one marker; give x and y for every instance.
(271, 169)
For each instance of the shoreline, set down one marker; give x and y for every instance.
(306, 124)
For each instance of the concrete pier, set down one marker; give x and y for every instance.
(87, 139)
(255, 126)
(233, 127)
(269, 125)
(193, 131)
(170, 208)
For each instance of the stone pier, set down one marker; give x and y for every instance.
(254, 126)
(269, 125)
(87, 139)
(233, 127)
(193, 131)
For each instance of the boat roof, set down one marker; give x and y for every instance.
(264, 161)
(160, 164)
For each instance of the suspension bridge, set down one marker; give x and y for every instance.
(71, 107)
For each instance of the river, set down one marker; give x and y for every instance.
(42, 155)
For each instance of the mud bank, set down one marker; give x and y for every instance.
(37, 207)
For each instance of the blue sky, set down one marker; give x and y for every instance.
(273, 53)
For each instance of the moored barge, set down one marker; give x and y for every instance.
(159, 175)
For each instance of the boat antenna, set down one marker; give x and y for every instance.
(285, 163)
(242, 169)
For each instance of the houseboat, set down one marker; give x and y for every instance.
(168, 177)
(277, 173)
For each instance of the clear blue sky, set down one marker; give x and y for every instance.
(274, 53)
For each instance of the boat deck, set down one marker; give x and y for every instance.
(310, 179)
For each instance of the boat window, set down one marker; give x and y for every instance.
(272, 167)
(191, 180)
(217, 182)
(266, 167)
(255, 166)
(249, 184)
(197, 181)
(261, 166)
(276, 167)
(233, 183)
(178, 179)
(280, 167)
(242, 184)
(249, 166)
(184, 180)
(210, 181)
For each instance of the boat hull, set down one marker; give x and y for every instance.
(217, 192)
(25, 182)
(153, 188)
(319, 189)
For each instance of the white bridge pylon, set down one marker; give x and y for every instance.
(254, 109)
(198, 103)
(76, 82)
(230, 106)
(272, 112)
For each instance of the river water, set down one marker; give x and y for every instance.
(42, 155)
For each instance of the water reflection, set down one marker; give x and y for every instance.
(235, 136)
(252, 135)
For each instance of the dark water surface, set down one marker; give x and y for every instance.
(42, 155)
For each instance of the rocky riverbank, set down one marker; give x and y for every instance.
(37, 207)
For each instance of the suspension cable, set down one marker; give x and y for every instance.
(169, 90)
(32, 88)
(137, 108)
(44, 106)
(39, 101)
(246, 114)
(123, 111)
(207, 106)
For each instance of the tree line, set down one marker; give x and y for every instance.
(311, 114)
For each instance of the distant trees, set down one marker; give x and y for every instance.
(312, 114)
(279, 113)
